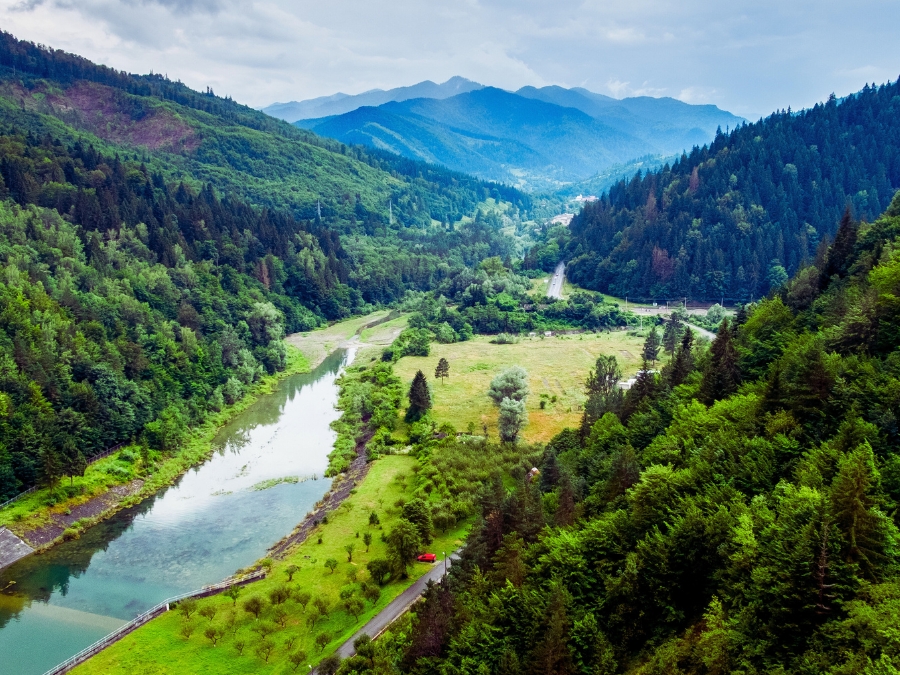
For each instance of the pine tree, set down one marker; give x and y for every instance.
(442, 370)
(722, 374)
(671, 333)
(841, 251)
(683, 362)
(652, 344)
(419, 398)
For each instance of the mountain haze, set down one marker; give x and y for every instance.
(534, 138)
(340, 103)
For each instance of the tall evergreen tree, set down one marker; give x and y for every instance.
(683, 362)
(722, 373)
(419, 398)
(841, 251)
(650, 352)
(671, 334)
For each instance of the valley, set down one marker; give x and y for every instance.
(503, 379)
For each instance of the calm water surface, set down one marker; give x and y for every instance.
(200, 530)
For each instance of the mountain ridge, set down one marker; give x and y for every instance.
(533, 138)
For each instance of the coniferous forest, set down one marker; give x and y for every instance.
(738, 217)
(734, 513)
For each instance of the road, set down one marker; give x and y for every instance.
(554, 290)
(400, 604)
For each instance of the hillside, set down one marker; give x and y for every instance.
(734, 513)
(535, 138)
(338, 104)
(157, 243)
(739, 216)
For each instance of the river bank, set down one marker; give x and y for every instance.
(266, 471)
(41, 526)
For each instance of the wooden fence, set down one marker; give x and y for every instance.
(151, 613)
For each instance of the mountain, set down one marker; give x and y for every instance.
(668, 124)
(533, 138)
(338, 104)
(157, 243)
(737, 217)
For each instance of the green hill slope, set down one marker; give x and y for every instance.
(735, 218)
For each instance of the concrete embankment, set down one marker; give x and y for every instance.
(12, 548)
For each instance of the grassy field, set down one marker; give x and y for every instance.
(557, 367)
(160, 647)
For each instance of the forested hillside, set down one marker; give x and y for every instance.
(736, 218)
(734, 513)
(157, 243)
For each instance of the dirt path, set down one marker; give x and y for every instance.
(92, 508)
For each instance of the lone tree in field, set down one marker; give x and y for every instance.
(404, 543)
(442, 370)
(513, 418)
(512, 383)
(419, 398)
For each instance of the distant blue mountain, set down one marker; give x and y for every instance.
(338, 104)
(533, 138)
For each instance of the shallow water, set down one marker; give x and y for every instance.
(196, 532)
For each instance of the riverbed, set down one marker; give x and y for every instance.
(266, 473)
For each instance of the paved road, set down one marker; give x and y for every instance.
(709, 335)
(400, 604)
(556, 283)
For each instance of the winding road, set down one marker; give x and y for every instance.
(554, 290)
(379, 623)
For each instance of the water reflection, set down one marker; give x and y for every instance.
(203, 528)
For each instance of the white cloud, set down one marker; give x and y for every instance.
(746, 58)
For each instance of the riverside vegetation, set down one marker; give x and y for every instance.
(422, 492)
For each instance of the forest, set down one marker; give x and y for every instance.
(146, 285)
(734, 512)
(736, 218)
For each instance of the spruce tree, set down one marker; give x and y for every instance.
(650, 352)
(683, 363)
(419, 398)
(671, 333)
(722, 374)
(841, 251)
(443, 369)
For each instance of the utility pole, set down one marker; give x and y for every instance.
(319, 208)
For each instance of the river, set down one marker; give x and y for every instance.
(219, 517)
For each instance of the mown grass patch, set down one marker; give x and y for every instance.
(557, 368)
(160, 646)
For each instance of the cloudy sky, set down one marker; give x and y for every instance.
(747, 57)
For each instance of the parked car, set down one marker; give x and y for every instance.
(427, 557)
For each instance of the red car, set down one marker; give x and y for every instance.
(427, 557)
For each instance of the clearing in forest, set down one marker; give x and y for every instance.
(557, 367)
